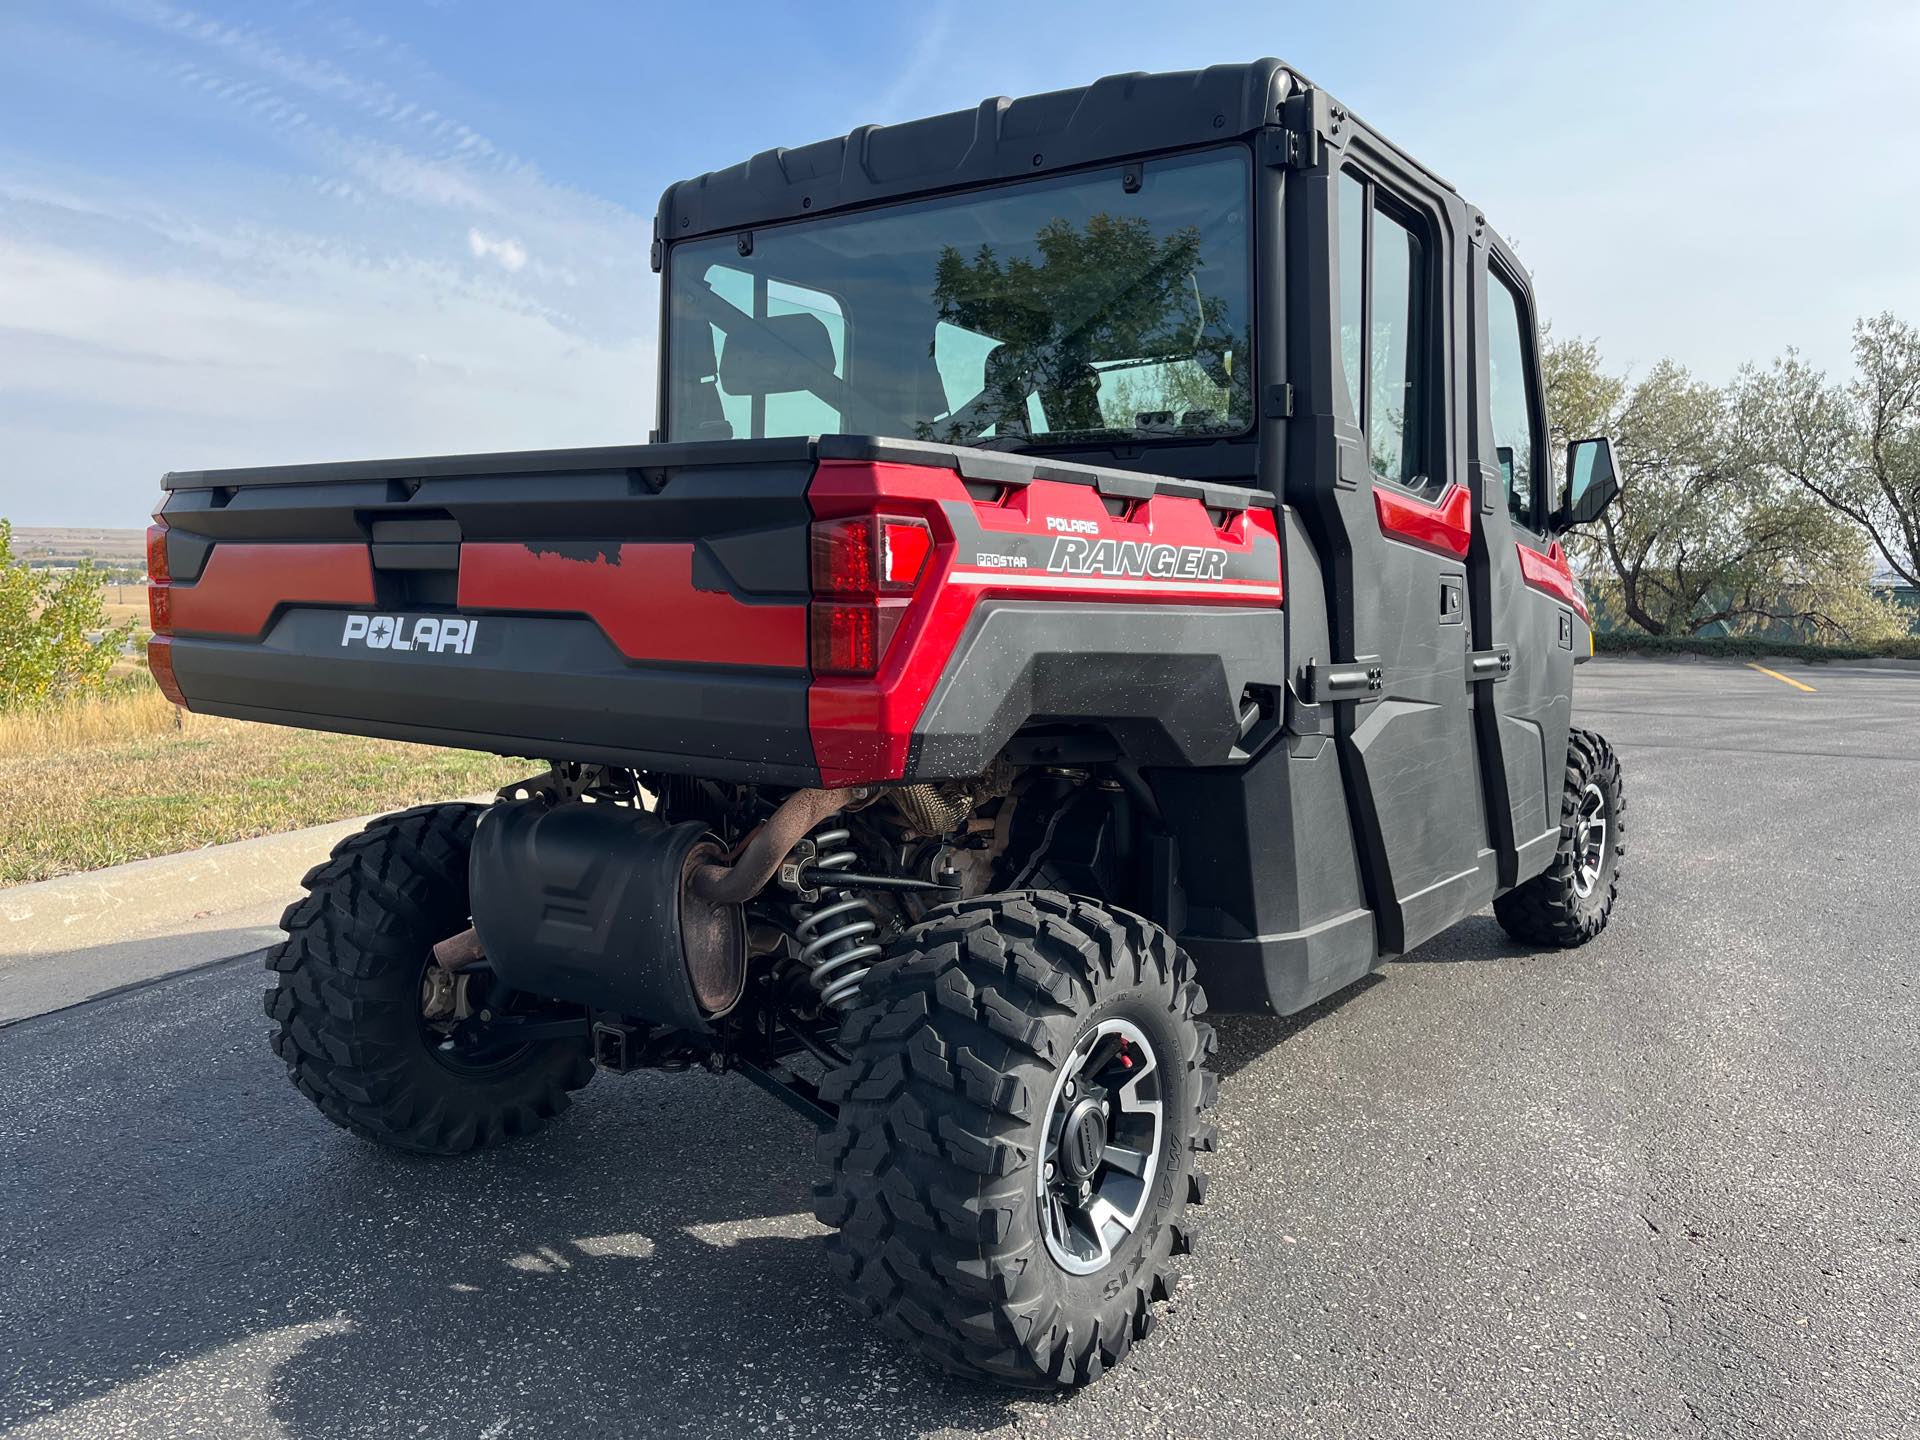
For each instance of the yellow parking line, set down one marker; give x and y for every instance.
(1783, 679)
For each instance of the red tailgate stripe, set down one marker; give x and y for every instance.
(1552, 573)
(643, 598)
(1444, 525)
(243, 584)
(1086, 587)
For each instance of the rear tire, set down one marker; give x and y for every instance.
(1570, 902)
(347, 997)
(968, 1033)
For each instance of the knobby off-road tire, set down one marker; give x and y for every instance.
(936, 1161)
(1570, 902)
(348, 997)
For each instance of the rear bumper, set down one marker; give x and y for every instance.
(547, 688)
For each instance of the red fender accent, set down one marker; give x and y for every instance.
(1444, 526)
(1552, 574)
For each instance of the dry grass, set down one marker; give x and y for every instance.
(132, 715)
(126, 777)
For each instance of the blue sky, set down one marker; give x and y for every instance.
(308, 229)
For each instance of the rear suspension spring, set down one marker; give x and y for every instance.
(835, 931)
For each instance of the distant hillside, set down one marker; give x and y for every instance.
(68, 545)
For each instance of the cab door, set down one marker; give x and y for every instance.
(1379, 471)
(1526, 629)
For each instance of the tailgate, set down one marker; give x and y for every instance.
(638, 605)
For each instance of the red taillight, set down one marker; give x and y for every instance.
(845, 639)
(863, 567)
(157, 571)
(869, 555)
(843, 558)
(159, 581)
(160, 665)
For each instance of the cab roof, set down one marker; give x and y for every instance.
(1000, 139)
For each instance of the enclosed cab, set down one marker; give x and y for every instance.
(1095, 548)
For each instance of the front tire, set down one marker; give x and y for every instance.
(1006, 1186)
(1570, 902)
(348, 998)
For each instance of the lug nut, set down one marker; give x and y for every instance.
(1071, 1087)
(1049, 1170)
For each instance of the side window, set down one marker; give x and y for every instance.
(1396, 352)
(791, 412)
(1510, 400)
(1384, 349)
(1353, 284)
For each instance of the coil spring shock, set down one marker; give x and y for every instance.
(835, 931)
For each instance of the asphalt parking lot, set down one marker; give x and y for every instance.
(1665, 1185)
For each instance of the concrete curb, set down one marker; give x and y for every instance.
(70, 939)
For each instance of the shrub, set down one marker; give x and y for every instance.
(55, 640)
(1744, 647)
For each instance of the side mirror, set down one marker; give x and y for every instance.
(1592, 483)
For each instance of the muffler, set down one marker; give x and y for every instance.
(592, 904)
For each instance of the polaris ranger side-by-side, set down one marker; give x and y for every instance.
(1095, 546)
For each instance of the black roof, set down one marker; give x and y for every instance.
(1114, 118)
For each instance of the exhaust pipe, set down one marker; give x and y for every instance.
(759, 859)
(613, 909)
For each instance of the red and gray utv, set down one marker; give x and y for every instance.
(1095, 547)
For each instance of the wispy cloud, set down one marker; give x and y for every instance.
(511, 255)
(929, 56)
(388, 279)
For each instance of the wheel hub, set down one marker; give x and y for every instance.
(1104, 1133)
(1589, 841)
(1083, 1140)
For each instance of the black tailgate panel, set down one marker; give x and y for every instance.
(541, 678)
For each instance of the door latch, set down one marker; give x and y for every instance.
(1364, 679)
(1495, 664)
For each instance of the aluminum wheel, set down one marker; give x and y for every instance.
(1589, 841)
(1102, 1146)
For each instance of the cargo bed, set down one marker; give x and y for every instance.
(646, 606)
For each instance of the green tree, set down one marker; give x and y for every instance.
(55, 641)
(1853, 446)
(1705, 533)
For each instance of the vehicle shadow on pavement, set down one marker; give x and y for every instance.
(1247, 1038)
(184, 1240)
(682, 1291)
(1478, 937)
